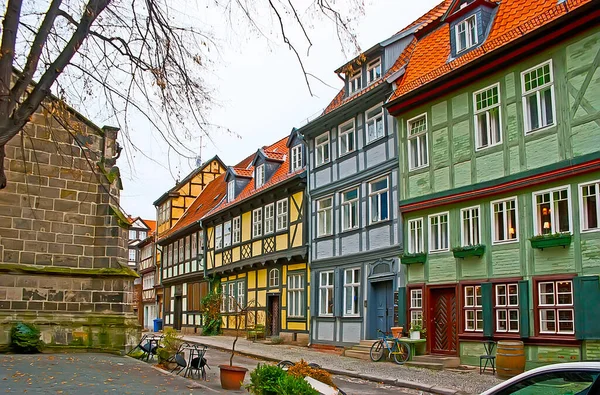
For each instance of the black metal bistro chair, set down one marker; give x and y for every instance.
(197, 362)
(489, 357)
(179, 358)
(148, 344)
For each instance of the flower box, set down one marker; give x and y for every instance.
(409, 259)
(464, 252)
(553, 240)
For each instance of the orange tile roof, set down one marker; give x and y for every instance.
(278, 156)
(211, 199)
(430, 16)
(514, 19)
(151, 224)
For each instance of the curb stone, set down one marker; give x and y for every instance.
(347, 373)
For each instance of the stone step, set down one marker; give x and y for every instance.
(367, 343)
(426, 365)
(445, 361)
(359, 354)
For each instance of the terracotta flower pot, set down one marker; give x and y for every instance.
(232, 377)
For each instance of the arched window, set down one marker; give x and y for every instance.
(274, 278)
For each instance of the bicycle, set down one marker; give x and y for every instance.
(399, 350)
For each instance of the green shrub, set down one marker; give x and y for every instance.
(292, 385)
(171, 342)
(25, 338)
(210, 307)
(264, 380)
(276, 340)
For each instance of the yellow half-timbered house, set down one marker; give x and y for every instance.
(255, 241)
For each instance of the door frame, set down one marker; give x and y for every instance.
(428, 307)
(270, 297)
(372, 303)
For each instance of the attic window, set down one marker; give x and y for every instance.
(466, 34)
(260, 176)
(230, 191)
(355, 83)
(374, 71)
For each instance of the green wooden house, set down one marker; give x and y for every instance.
(498, 115)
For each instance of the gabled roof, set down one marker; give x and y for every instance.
(431, 58)
(187, 178)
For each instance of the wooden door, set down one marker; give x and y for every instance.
(273, 328)
(443, 321)
(384, 303)
(177, 313)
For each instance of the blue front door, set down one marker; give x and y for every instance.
(384, 304)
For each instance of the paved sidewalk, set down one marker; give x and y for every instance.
(441, 382)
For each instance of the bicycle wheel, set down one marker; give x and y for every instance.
(401, 352)
(376, 352)
(285, 365)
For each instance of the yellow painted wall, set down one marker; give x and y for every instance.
(256, 248)
(297, 198)
(296, 326)
(235, 254)
(210, 243)
(218, 259)
(297, 242)
(281, 242)
(262, 298)
(251, 282)
(296, 266)
(284, 318)
(262, 278)
(246, 226)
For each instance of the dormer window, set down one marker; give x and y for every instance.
(355, 83)
(296, 157)
(374, 71)
(230, 191)
(260, 176)
(466, 33)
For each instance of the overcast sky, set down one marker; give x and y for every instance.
(261, 95)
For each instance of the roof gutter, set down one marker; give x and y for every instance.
(547, 35)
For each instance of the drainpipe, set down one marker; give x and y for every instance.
(309, 234)
(156, 250)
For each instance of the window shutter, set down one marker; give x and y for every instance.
(586, 291)
(488, 309)
(402, 308)
(524, 308)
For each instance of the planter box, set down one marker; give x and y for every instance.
(551, 241)
(467, 252)
(410, 259)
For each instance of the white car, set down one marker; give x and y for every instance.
(575, 378)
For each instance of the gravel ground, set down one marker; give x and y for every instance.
(467, 381)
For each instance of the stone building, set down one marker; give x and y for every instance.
(63, 241)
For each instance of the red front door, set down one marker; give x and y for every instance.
(443, 321)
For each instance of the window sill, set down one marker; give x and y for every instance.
(490, 149)
(321, 165)
(418, 170)
(503, 243)
(471, 336)
(568, 340)
(347, 155)
(324, 237)
(382, 222)
(536, 131)
(350, 231)
(377, 140)
(438, 252)
(296, 319)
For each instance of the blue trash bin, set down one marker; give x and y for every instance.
(158, 324)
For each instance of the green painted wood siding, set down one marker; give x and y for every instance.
(453, 160)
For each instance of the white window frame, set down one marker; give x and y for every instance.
(414, 225)
(274, 278)
(470, 41)
(430, 233)
(236, 230)
(226, 234)
(506, 228)
(507, 307)
(223, 298)
(323, 147)
(324, 288)
(327, 214)
(282, 214)
(416, 307)
(346, 208)
(295, 299)
(241, 294)
(556, 307)
(354, 288)
(486, 111)
(231, 296)
(371, 116)
(231, 191)
(419, 162)
(371, 66)
(553, 224)
(131, 250)
(260, 176)
(353, 86)
(257, 226)
(379, 193)
(475, 307)
(296, 157)
(219, 237)
(472, 233)
(348, 135)
(582, 205)
(525, 94)
(269, 219)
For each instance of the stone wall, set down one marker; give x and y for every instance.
(63, 242)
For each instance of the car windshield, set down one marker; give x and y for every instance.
(554, 383)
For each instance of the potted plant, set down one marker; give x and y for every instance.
(551, 240)
(416, 330)
(233, 376)
(409, 259)
(465, 251)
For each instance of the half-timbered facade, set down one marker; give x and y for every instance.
(499, 127)
(146, 268)
(256, 250)
(353, 179)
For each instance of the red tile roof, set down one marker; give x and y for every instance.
(430, 16)
(211, 199)
(278, 156)
(151, 224)
(514, 19)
